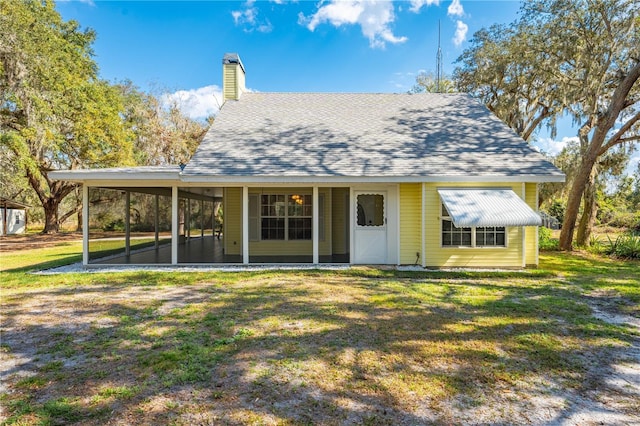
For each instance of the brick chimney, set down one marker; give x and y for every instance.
(232, 77)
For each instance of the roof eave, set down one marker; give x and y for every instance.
(80, 176)
(368, 179)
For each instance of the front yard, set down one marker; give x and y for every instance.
(358, 346)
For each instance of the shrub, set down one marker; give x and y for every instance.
(557, 209)
(545, 242)
(596, 245)
(626, 246)
(116, 225)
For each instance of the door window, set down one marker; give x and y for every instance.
(370, 210)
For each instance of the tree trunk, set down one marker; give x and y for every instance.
(79, 226)
(51, 224)
(573, 202)
(590, 209)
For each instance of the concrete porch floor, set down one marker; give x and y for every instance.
(203, 250)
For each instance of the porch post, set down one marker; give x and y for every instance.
(187, 229)
(315, 225)
(156, 221)
(352, 224)
(127, 223)
(201, 218)
(85, 225)
(174, 225)
(537, 227)
(523, 230)
(245, 225)
(422, 225)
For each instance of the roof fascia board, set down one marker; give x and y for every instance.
(171, 178)
(369, 179)
(84, 176)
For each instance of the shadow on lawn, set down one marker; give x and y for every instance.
(302, 348)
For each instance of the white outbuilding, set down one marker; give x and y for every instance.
(13, 217)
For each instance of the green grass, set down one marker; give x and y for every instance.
(103, 248)
(298, 347)
(41, 258)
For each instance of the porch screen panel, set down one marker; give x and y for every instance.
(254, 218)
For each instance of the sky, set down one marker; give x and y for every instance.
(175, 48)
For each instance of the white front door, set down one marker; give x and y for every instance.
(370, 236)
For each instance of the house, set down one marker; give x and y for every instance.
(13, 217)
(363, 178)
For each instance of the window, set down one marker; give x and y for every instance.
(285, 217)
(490, 237)
(370, 210)
(453, 236)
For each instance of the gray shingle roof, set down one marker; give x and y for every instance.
(363, 135)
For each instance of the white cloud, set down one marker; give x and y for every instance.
(416, 5)
(461, 33)
(373, 17)
(248, 17)
(195, 103)
(552, 146)
(455, 9)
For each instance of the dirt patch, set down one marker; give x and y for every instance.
(11, 243)
(34, 241)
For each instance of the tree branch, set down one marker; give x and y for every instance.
(70, 213)
(617, 138)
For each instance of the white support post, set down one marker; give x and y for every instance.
(156, 221)
(315, 226)
(423, 222)
(174, 225)
(245, 225)
(352, 224)
(85, 225)
(201, 218)
(524, 230)
(537, 227)
(127, 223)
(187, 229)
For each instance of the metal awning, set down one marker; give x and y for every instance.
(487, 207)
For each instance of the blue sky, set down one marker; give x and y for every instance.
(176, 47)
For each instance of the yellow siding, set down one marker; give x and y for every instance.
(339, 220)
(285, 248)
(233, 81)
(229, 81)
(437, 256)
(232, 211)
(531, 234)
(410, 222)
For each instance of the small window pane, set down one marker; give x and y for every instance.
(272, 229)
(466, 239)
(490, 239)
(370, 210)
(299, 228)
(453, 236)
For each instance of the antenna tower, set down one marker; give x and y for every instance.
(438, 62)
